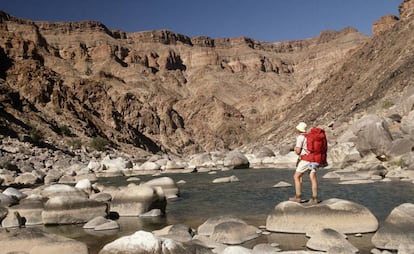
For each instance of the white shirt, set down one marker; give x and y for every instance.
(301, 142)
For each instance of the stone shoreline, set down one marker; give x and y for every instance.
(53, 188)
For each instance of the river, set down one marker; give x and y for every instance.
(251, 199)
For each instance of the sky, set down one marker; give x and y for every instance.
(263, 20)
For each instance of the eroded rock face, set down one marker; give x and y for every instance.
(406, 9)
(384, 24)
(341, 215)
(155, 90)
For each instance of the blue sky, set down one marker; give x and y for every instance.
(264, 20)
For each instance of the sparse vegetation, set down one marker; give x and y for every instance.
(387, 104)
(65, 130)
(75, 143)
(99, 143)
(35, 135)
(400, 163)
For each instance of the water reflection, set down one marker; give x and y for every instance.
(251, 199)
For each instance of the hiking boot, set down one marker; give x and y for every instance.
(313, 201)
(295, 199)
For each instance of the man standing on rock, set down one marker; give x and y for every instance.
(311, 148)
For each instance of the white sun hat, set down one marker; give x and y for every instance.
(301, 127)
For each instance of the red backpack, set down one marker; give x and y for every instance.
(317, 146)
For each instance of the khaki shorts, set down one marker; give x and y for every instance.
(304, 166)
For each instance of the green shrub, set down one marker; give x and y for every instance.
(99, 143)
(387, 104)
(75, 143)
(400, 163)
(35, 135)
(65, 130)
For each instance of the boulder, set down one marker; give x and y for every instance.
(227, 179)
(236, 160)
(30, 210)
(234, 232)
(207, 228)
(228, 230)
(72, 210)
(27, 178)
(178, 232)
(407, 124)
(341, 215)
(3, 212)
(343, 154)
(262, 152)
(52, 176)
(372, 135)
(109, 225)
(265, 248)
(91, 224)
(401, 146)
(15, 193)
(117, 164)
(282, 184)
(145, 242)
(398, 228)
(34, 241)
(281, 161)
(150, 166)
(84, 185)
(135, 200)
(62, 190)
(202, 162)
(152, 213)
(6, 200)
(175, 165)
(167, 184)
(331, 241)
(236, 250)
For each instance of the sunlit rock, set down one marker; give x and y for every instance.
(341, 215)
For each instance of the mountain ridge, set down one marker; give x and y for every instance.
(164, 92)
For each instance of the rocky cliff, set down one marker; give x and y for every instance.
(159, 91)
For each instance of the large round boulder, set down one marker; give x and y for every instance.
(341, 215)
(331, 241)
(397, 230)
(372, 135)
(228, 230)
(236, 160)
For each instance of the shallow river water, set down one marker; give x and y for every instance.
(251, 199)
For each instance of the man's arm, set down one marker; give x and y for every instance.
(299, 144)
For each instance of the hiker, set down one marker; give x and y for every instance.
(311, 148)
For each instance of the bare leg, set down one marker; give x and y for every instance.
(298, 184)
(314, 183)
